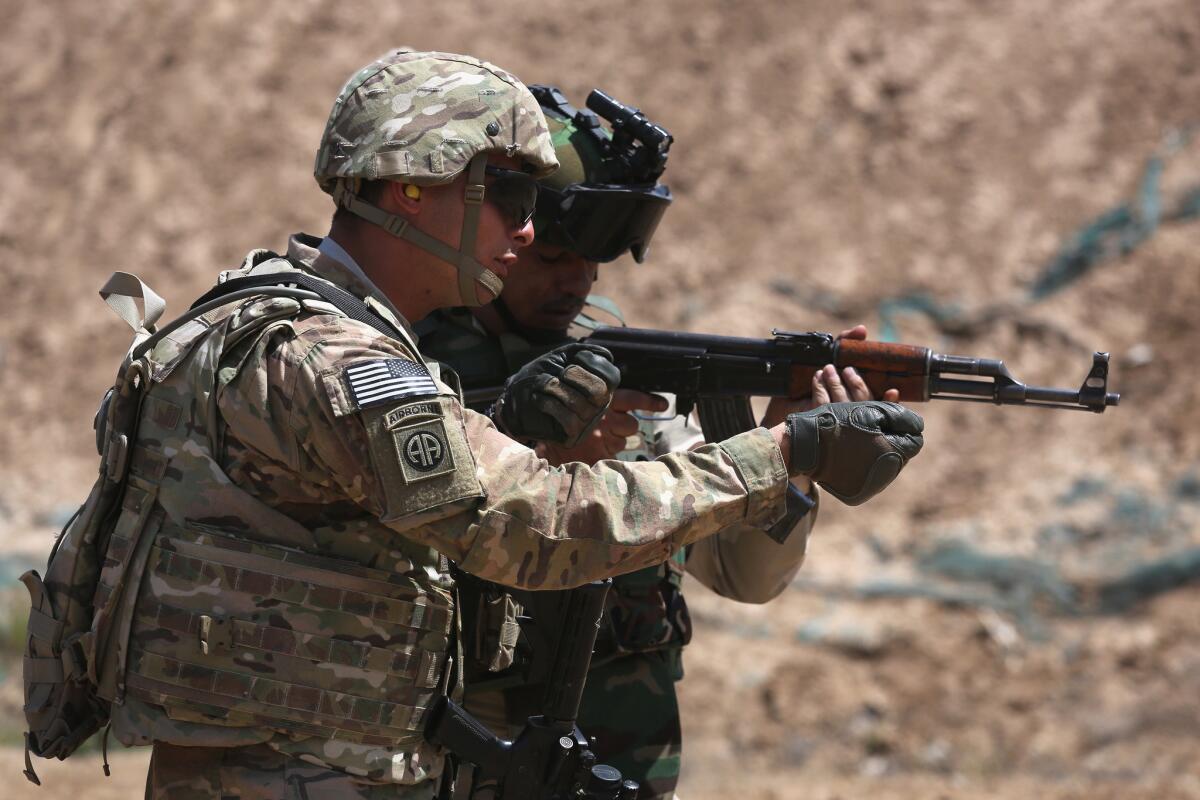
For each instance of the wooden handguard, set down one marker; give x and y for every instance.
(882, 365)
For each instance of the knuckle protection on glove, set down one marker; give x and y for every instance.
(908, 445)
(902, 420)
(593, 349)
(557, 390)
(591, 388)
(867, 417)
(600, 365)
(878, 477)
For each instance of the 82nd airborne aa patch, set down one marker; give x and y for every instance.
(419, 436)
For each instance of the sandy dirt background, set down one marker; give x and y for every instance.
(829, 156)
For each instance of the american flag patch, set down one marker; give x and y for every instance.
(386, 379)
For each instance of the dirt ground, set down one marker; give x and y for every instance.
(828, 157)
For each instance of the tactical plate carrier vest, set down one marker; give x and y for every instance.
(220, 621)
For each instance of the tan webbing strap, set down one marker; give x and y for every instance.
(600, 303)
(43, 670)
(471, 271)
(37, 590)
(298, 593)
(303, 703)
(393, 223)
(403, 660)
(167, 694)
(119, 292)
(29, 771)
(285, 563)
(43, 626)
(462, 257)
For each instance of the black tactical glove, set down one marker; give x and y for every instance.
(558, 397)
(854, 450)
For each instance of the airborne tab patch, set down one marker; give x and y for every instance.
(385, 379)
(411, 414)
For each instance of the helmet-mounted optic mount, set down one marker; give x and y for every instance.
(638, 146)
(613, 203)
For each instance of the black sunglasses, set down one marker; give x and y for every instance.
(513, 192)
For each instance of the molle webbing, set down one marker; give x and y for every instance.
(407, 661)
(253, 634)
(242, 701)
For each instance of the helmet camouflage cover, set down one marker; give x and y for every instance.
(425, 119)
(420, 117)
(580, 159)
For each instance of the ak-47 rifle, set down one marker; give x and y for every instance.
(718, 374)
(550, 759)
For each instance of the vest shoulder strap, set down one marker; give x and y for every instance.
(286, 283)
(336, 296)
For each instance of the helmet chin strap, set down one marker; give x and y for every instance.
(470, 272)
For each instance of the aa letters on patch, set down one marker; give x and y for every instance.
(422, 447)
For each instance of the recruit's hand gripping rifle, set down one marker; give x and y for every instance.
(550, 759)
(718, 374)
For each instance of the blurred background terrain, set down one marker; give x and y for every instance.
(1003, 179)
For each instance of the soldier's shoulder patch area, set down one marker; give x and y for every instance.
(386, 380)
(421, 452)
(418, 433)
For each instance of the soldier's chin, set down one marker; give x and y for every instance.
(557, 318)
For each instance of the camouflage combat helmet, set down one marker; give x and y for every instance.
(604, 199)
(426, 118)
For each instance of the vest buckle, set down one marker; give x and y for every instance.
(215, 633)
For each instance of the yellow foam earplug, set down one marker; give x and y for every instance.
(412, 192)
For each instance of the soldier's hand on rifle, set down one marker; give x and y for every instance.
(611, 435)
(853, 450)
(558, 397)
(831, 387)
(828, 386)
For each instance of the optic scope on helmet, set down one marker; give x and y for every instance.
(636, 141)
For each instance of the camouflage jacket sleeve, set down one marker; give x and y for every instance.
(577, 522)
(490, 504)
(743, 563)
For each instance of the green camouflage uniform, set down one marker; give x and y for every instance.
(629, 702)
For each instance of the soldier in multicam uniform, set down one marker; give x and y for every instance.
(629, 704)
(276, 611)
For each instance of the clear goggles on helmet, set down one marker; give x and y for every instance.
(601, 221)
(513, 193)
